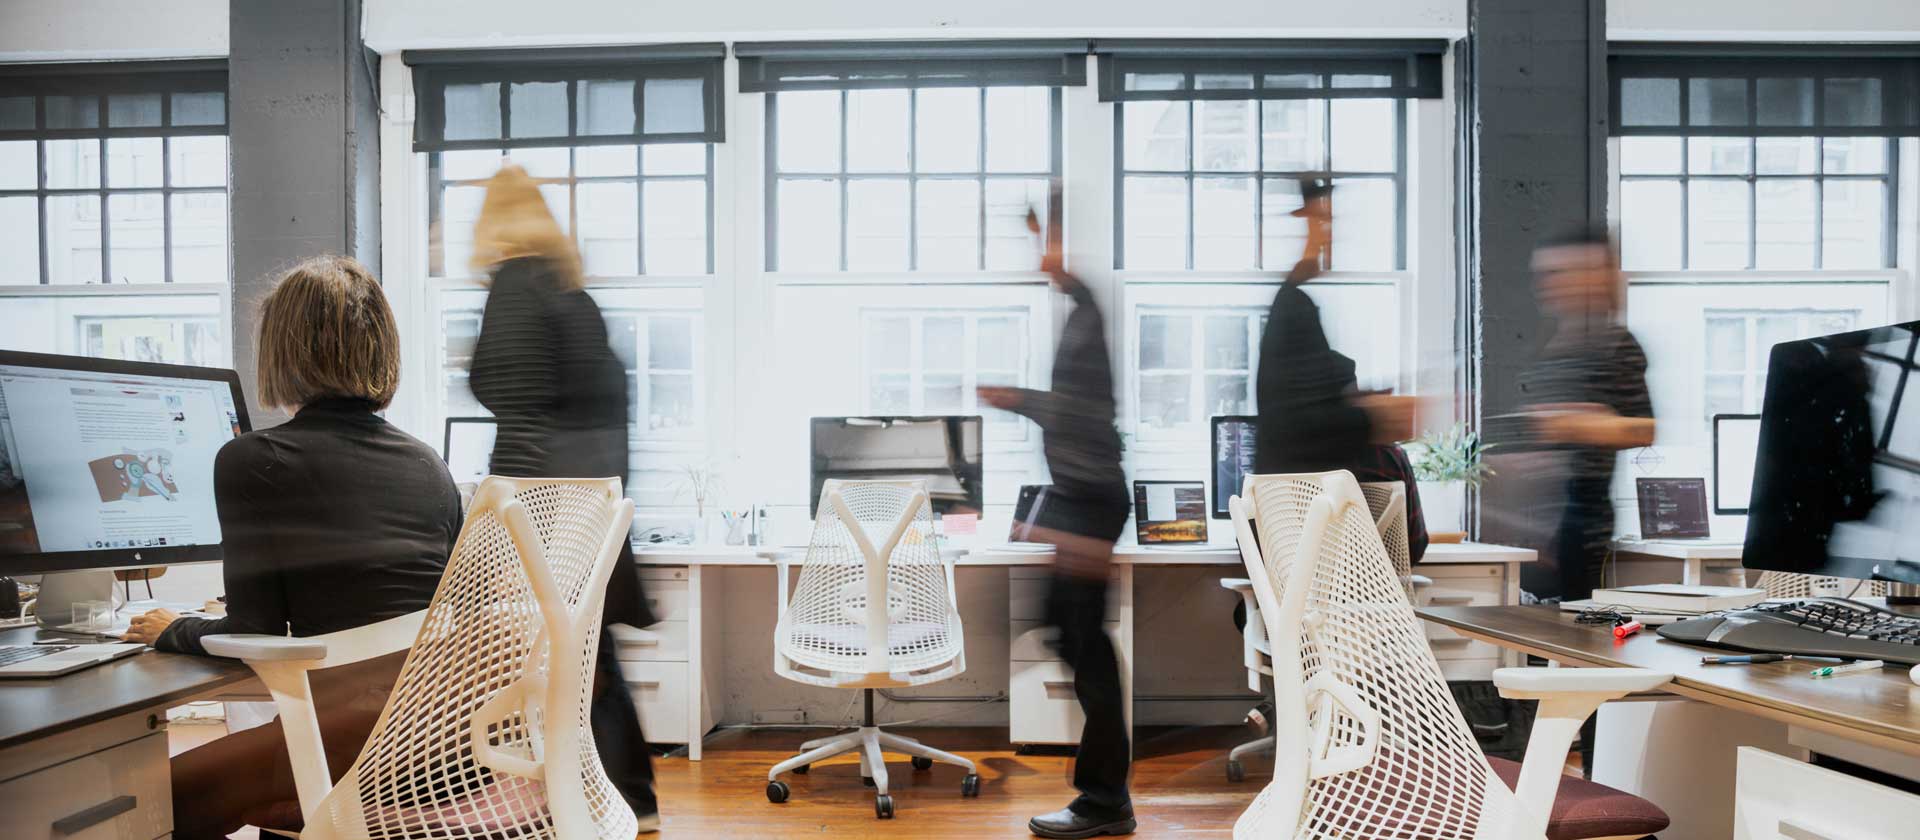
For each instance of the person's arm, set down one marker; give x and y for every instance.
(243, 486)
(515, 369)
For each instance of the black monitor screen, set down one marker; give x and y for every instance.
(1836, 481)
(1232, 458)
(942, 451)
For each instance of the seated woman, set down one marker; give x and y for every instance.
(329, 521)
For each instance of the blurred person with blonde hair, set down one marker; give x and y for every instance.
(543, 366)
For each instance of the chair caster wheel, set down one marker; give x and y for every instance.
(802, 770)
(922, 763)
(867, 780)
(970, 786)
(777, 791)
(1236, 772)
(883, 807)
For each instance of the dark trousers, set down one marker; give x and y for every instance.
(1077, 608)
(616, 734)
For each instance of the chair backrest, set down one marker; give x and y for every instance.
(875, 596)
(1794, 585)
(1372, 744)
(1284, 499)
(1388, 502)
(487, 731)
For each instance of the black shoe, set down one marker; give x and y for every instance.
(1068, 824)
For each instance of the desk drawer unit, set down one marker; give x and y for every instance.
(121, 793)
(1042, 707)
(1777, 798)
(667, 595)
(1462, 658)
(659, 691)
(663, 642)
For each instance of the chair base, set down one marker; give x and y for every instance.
(871, 743)
(1236, 772)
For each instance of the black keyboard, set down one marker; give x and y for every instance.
(15, 654)
(1813, 627)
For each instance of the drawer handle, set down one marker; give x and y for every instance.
(646, 683)
(1795, 831)
(653, 641)
(83, 820)
(1451, 640)
(1450, 600)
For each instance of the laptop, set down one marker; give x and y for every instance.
(1672, 508)
(1170, 513)
(29, 662)
(1026, 516)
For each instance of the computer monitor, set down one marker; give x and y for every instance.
(1232, 458)
(1836, 478)
(468, 449)
(1736, 441)
(109, 464)
(945, 452)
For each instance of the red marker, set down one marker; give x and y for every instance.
(1621, 631)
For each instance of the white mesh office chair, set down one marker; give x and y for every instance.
(1792, 585)
(1387, 501)
(1375, 745)
(874, 608)
(486, 733)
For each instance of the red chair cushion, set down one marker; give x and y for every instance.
(1584, 809)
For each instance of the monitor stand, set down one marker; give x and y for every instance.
(60, 590)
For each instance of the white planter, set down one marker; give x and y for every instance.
(1444, 505)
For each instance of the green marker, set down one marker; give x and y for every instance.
(1837, 670)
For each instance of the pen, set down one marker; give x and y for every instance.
(1836, 670)
(1751, 659)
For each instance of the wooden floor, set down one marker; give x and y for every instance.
(1180, 788)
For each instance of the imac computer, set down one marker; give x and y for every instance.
(1232, 458)
(945, 452)
(1836, 473)
(108, 464)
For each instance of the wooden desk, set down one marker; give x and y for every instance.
(98, 737)
(1883, 708)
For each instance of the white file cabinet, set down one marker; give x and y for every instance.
(1042, 705)
(104, 782)
(1464, 585)
(1778, 798)
(657, 661)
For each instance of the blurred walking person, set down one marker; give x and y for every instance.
(1085, 512)
(559, 396)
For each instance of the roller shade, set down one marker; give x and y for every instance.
(1764, 90)
(843, 65)
(1269, 69)
(113, 99)
(504, 99)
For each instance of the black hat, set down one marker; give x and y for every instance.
(1310, 189)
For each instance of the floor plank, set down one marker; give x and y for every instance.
(1179, 783)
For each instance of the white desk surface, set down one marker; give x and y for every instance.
(1705, 549)
(993, 555)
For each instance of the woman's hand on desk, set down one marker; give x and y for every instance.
(147, 627)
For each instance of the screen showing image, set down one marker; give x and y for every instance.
(1232, 459)
(1736, 442)
(92, 461)
(1672, 507)
(1836, 481)
(468, 449)
(1170, 511)
(944, 452)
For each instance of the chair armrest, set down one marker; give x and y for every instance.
(1421, 582)
(258, 647)
(1549, 683)
(1237, 584)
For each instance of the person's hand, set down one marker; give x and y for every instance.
(1005, 399)
(1593, 424)
(1392, 417)
(147, 627)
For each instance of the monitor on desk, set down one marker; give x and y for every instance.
(1170, 512)
(1836, 477)
(1736, 442)
(468, 449)
(109, 464)
(945, 452)
(1232, 459)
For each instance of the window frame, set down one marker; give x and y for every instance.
(1755, 357)
(1258, 175)
(842, 177)
(916, 367)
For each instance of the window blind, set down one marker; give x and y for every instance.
(1268, 69)
(1764, 90)
(113, 99)
(504, 99)
(844, 65)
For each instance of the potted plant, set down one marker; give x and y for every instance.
(702, 482)
(1446, 463)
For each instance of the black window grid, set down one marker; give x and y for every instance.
(431, 83)
(437, 185)
(166, 132)
(1260, 175)
(842, 176)
(1890, 196)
